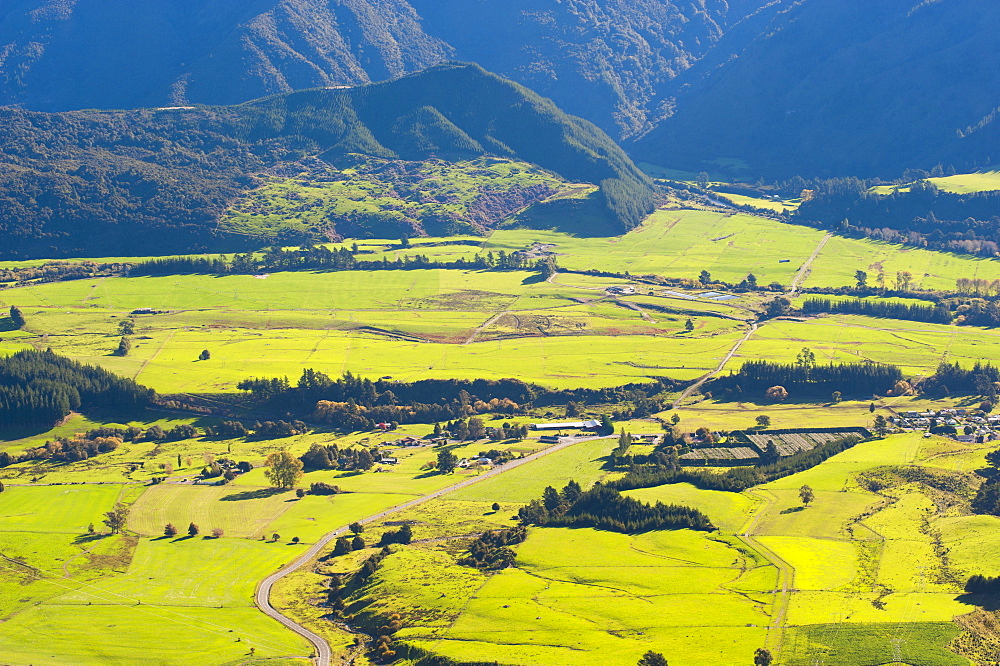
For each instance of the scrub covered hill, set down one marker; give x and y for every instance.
(155, 181)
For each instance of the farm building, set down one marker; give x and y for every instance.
(585, 425)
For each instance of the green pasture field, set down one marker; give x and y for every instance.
(757, 202)
(841, 257)
(858, 644)
(588, 597)
(584, 462)
(917, 348)
(682, 243)
(66, 509)
(964, 183)
(286, 326)
(728, 511)
(743, 415)
(56, 634)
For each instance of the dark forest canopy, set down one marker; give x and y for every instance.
(38, 388)
(885, 309)
(808, 380)
(605, 508)
(153, 181)
(352, 402)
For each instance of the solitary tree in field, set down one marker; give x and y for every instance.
(1, 487)
(217, 533)
(496, 506)
(115, 519)
(283, 469)
(446, 461)
(16, 317)
(862, 279)
(653, 659)
(880, 425)
(124, 347)
(762, 657)
(675, 419)
(806, 495)
(689, 325)
(204, 355)
(126, 327)
(871, 408)
(763, 420)
(356, 528)
(705, 277)
(358, 543)
(193, 530)
(170, 530)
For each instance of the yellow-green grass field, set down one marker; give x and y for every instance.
(962, 183)
(588, 597)
(842, 257)
(409, 325)
(915, 347)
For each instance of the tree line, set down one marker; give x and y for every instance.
(884, 309)
(948, 378)
(352, 402)
(41, 387)
(603, 507)
(322, 258)
(806, 378)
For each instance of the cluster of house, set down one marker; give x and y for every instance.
(971, 426)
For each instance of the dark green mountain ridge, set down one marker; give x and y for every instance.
(842, 87)
(606, 60)
(152, 181)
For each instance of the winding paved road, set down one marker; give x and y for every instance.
(323, 654)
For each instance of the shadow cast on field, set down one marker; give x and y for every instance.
(988, 602)
(427, 475)
(259, 493)
(793, 509)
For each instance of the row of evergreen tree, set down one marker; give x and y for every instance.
(809, 379)
(321, 258)
(884, 309)
(603, 507)
(40, 387)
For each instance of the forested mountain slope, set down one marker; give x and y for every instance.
(128, 182)
(604, 59)
(843, 87)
